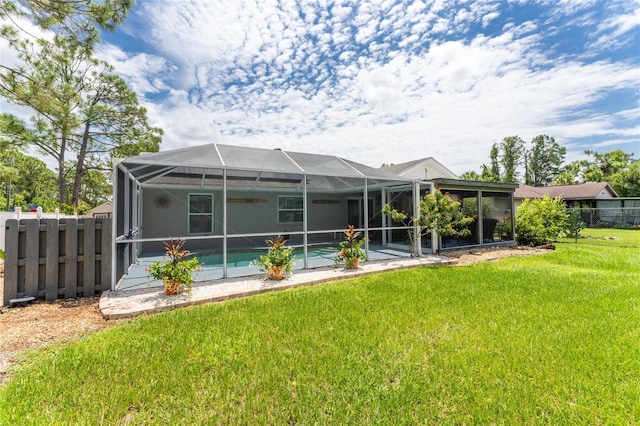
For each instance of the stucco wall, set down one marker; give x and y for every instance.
(163, 219)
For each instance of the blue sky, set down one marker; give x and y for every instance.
(386, 81)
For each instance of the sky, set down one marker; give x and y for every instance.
(385, 81)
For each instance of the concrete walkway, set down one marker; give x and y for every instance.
(130, 303)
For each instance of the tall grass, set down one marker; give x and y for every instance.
(551, 339)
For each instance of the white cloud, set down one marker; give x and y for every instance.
(373, 81)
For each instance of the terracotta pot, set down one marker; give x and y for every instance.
(172, 287)
(276, 273)
(353, 263)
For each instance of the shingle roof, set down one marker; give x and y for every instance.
(582, 191)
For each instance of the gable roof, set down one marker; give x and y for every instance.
(423, 168)
(581, 191)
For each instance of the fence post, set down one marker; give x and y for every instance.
(11, 261)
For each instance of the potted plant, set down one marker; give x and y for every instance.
(278, 260)
(176, 271)
(350, 249)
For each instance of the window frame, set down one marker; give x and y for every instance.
(191, 214)
(285, 210)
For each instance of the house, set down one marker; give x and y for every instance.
(599, 204)
(226, 200)
(583, 195)
(103, 210)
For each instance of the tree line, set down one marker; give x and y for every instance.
(541, 163)
(83, 115)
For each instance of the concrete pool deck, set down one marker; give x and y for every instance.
(129, 303)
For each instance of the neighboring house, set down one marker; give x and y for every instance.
(599, 203)
(225, 199)
(103, 210)
(583, 195)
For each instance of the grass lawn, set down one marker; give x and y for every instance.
(550, 339)
(608, 237)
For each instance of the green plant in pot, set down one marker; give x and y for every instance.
(176, 271)
(279, 259)
(350, 249)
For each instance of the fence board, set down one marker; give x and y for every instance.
(105, 256)
(32, 264)
(89, 257)
(70, 258)
(10, 261)
(52, 261)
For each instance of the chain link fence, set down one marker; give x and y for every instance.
(614, 217)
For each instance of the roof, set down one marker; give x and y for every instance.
(582, 191)
(254, 167)
(423, 168)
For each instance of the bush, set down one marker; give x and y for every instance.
(539, 222)
(604, 224)
(623, 226)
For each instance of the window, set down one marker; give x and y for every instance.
(200, 213)
(290, 209)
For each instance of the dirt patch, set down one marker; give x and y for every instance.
(46, 322)
(42, 323)
(475, 255)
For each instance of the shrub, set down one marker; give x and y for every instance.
(539, 222)
(623, 226)
(604, 224)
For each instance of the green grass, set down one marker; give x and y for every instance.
(550, 339)
(608, 237)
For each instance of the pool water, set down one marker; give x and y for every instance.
(245, 257)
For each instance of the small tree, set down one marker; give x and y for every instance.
(574, 224)
(438, 212)
(540, 221)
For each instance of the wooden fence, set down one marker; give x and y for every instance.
(56, 259)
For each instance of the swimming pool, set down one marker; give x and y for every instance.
(245, 257)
